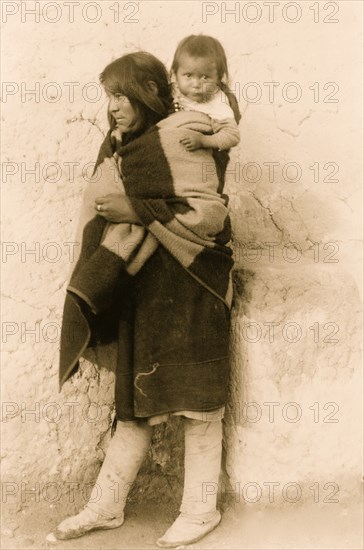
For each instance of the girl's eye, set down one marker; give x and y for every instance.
(188, 75)
(118, 98)
(204, 77)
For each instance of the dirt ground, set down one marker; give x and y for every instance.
(310, 527)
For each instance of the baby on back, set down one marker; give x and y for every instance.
(199, 69)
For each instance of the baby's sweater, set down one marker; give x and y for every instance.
(226, 131)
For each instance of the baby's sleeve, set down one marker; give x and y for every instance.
(224, 125)
(226, 133)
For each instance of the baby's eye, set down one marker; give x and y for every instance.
(188, 75)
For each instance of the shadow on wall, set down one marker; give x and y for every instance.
(242, 282)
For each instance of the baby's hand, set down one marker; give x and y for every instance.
(192, 143)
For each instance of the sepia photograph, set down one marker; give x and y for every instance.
(181, 275)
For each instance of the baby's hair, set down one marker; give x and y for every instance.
(202, 46)
(132, 75)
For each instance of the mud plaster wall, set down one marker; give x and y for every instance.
(293, 414)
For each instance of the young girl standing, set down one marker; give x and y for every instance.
(171, 317)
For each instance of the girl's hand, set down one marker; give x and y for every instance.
(116, 208)
(192, 143)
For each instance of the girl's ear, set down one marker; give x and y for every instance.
(152, 86)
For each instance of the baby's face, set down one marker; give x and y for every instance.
(197, 77)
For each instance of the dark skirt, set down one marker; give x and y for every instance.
(173, 340)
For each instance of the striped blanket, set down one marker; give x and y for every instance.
(174, 192)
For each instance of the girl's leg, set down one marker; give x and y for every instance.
(203, 446)
(105, 509)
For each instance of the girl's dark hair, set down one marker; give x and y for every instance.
(133, 75)
(202, 46)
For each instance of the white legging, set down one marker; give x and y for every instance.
(125, 454)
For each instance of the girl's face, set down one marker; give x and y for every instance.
(197, 77)
(122, 111)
